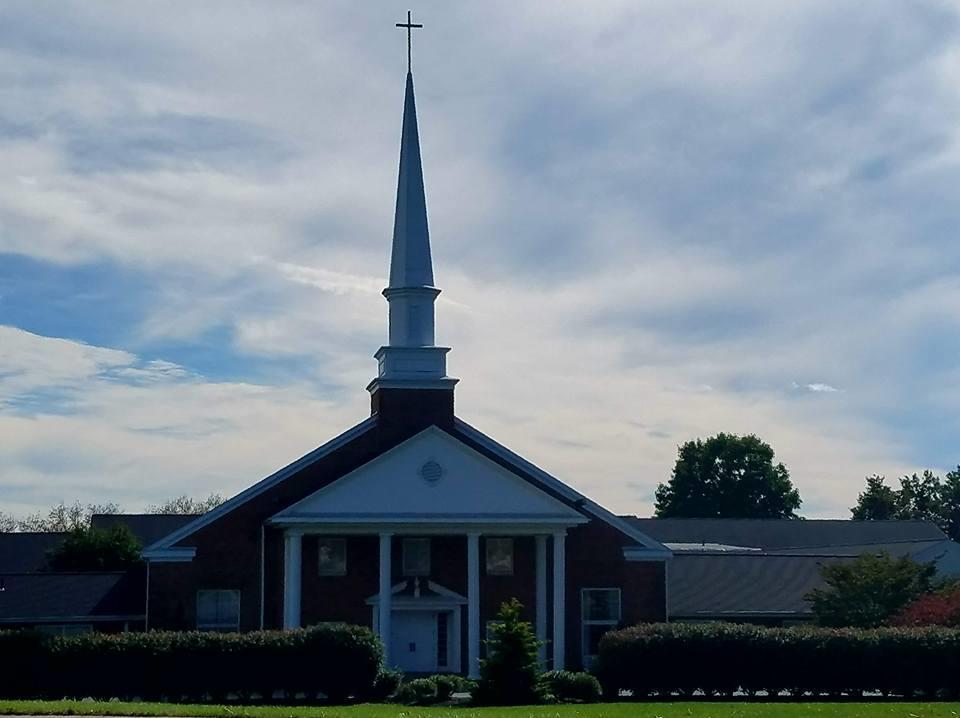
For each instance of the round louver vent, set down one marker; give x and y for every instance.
(431, 472)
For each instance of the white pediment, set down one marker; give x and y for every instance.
(430, 477)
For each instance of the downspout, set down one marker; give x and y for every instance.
(262, 580)
(146, 602)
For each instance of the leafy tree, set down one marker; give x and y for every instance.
(878, 502)
(510, 672)
(867, 591)
(186, 505)
(727, 476)
(95, 549)
(925, 496)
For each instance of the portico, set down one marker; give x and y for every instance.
(435, 486)
(410, 594)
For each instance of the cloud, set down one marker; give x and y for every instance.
(648, 222)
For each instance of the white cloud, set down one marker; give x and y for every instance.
(647, 221)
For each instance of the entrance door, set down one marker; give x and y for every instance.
(413, 641)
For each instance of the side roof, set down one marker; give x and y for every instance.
(26, 552)
(148, 528)
(773, 534)
(650, 547)
(743, 585)
(260, 487)
(53, 597)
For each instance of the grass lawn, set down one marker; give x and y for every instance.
(602, 710)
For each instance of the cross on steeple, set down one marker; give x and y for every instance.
(409, 24)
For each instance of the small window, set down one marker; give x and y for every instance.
(599, 613)
(416, 557)
(500, 556)
(443, 640)
(218, 610)
(332, 556)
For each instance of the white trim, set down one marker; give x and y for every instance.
(259, 487)
(541, 597)
(642, 553)
(179, 554)
(584, 656)
(299, 512)
(385, 610)
(561, 488)
(447, 598)
(292, 579)
(559, 599)
(444, 527)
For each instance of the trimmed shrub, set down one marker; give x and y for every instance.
(386, 686)
(447, 685)
(335, 660)
(571, 687)
(418, 692)
(720, 659)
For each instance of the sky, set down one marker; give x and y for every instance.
(651, 221)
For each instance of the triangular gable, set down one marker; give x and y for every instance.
(432, 476)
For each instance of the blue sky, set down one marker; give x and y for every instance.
(651, 221)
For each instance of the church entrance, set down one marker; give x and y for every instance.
(413, 643)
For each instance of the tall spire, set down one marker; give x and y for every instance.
(410, 262)
(411, 360)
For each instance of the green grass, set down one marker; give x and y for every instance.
(608, 710)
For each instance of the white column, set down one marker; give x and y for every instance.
(292, 569)
(473, 605)
(386, 594)
(559, 598)
(541, 613)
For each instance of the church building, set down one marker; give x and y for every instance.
(412, 522)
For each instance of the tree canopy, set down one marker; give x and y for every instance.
(869, 590)
(727, 476)
(924, 496)
(94, 549)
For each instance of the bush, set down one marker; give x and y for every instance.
(932, 609)
(418, 692)
(571, 687)
(509, 674)
(386, 686)
(719, 659)
(336, 660)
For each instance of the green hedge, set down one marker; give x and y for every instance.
(336, 660)
(720, 659)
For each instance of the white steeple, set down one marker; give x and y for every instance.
(411, 360)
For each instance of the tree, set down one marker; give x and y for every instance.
(8, 523)
(509, 675)
(65, 517)
(925, 497)
(185, 505)
(727, 476)
(94, 549)
(933, 609)
(867, 591)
